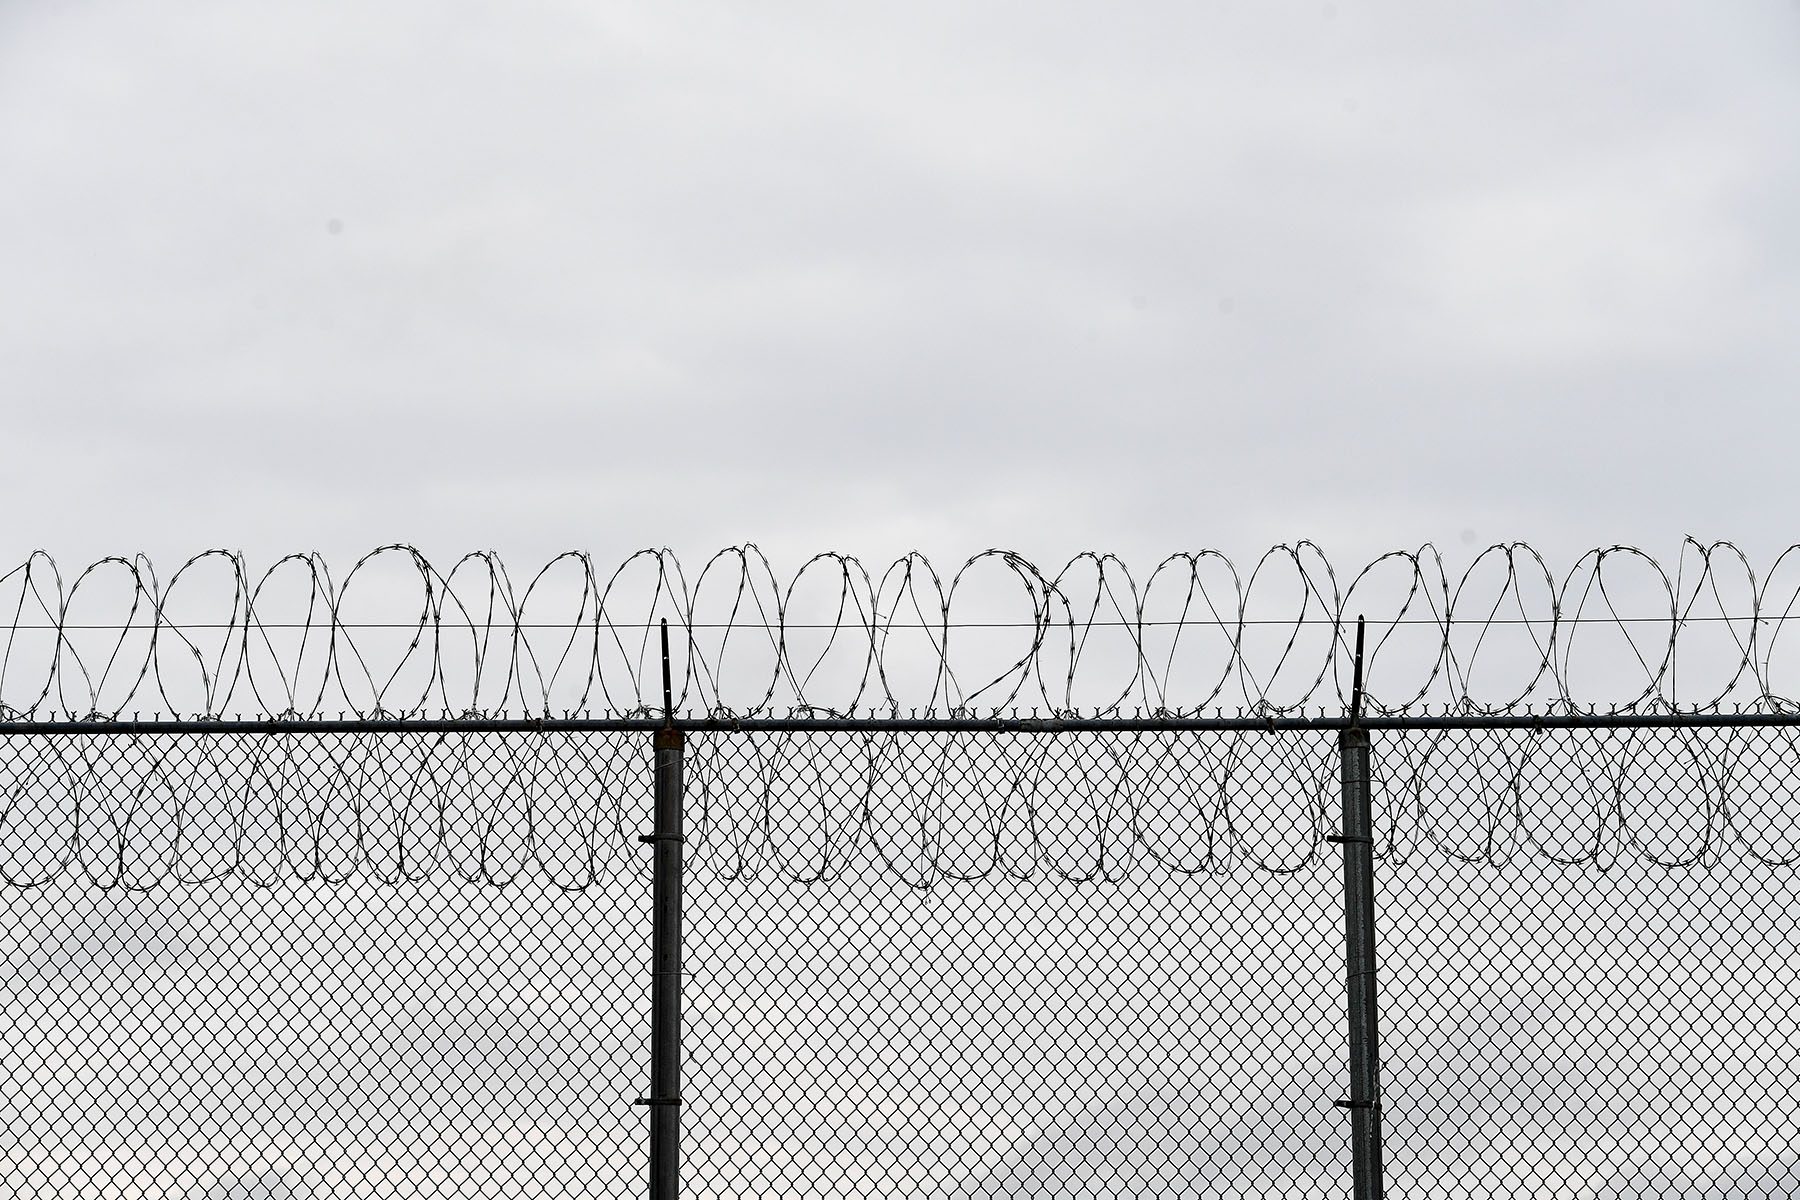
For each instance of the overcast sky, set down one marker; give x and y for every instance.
(1143, 277)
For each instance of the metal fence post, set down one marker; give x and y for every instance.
(1358, 840)
(665, 953)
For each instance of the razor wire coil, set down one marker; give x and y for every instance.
(142, 811)
(1618, 632)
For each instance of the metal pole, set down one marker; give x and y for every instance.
(1358, 841)
(665, 954)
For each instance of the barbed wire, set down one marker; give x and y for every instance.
(142, 811)
(396, 635)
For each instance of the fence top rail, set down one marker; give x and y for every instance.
(918, 725)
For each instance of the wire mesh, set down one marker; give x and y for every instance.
(1589, 963)
(977, 981)
(952, 964)
(272, 969)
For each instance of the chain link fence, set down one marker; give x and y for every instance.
(383, 961)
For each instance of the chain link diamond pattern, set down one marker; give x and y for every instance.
(1062, 964)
